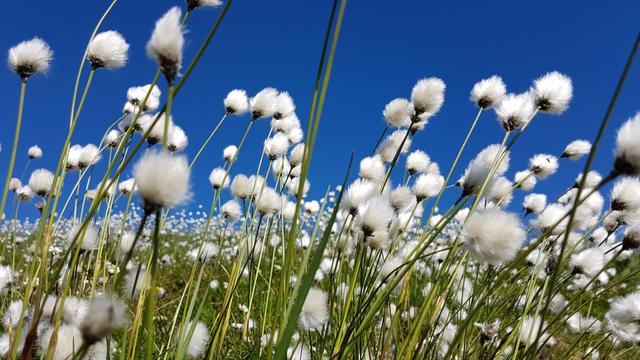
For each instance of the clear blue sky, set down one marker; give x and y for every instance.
(384, 48)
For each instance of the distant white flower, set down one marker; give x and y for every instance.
(479, 169)
(136, 97)
(529, 329)
(592, 180)
(285, 124)
(534, 203)
(417, 162)
(24, 193)
(108, 50)
(127, 241)
(73, 157)
(628, 148)
(208, 251)
(374, 215)
(14, 184)
(268, 201)
(165, 45)
(402, 198)
(625, 195)
(30, 57)
(553, 92)
(34, 152)
(193, 4)
(231, 210)
(550, 216)
(493, 236)
(163, 179)
(576, 149)
(500, 191)
(515, 111)
(106, 313)
(155, 128)
(229, 153)
(488, 92)
(588, 262)
(314, 313)
(296, 155)
(241, 187)
(427, 95)
(263, 104)
(357, 194)
(236, 102)
(13, 314)
(543, 165)
(219, 178)
(397, 114)
(294, 185)
(127, 187)
(41, 181)
(389, 147)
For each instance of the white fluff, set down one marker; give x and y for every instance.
(198, 340)
(89, 156)
(417, 162)
(128, 186)
(588, 262)
(534, 203)
(268, 201)
(6, 278)
(229, 153)
(41, 181)
(30, 57)
(241, 187)
(375, 215)
(263, 104)
(397, 114)
(626, 309)
(372, 168)
(488, 92)
(236, 102)
(111, 139)
(69, 341)
(88, 238)
(553, 92)
(625, 195)
(357, 194)
(283, 105)
(219, 178)
(427, 95)
(427, 186)
(525, 180)
(576, 149)
(515, 111)
(162, 178)
(106, 313)
(108, 49)
(177, 140)
(628, 147)
(34, 152)
(543, 165)
(231, 210)
(402, 198)
(493, 236)
(551, 216)
(166, 43)
(276, 146)
(314, 313)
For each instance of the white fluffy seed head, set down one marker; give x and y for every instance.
(427, 186)
(402, 198)
(166, 43)
(128, 186)
(576, 149)
(241, 187)
(108, 49)
(89, 156)
(136, 97)
(553, 92)
(219, 178)
(296, 156)
(41, 181)
(30, 57)
(374, 215)
(34, 152)
(111, 139)
(283, 106)
(417, 162)
(229, 153)
(397, 113)
(493, 236)
(24, 193)
(500, 191)
(543, 165)
(592, 180)
(372, 168)
(628, 147)
(162, 179)
(14, 184)
(177, 139)
(588, 262)
(534, 203)
(314, 313)
(87, 238)
(515, 111)
(263, 104)
(550, 216)
(357, 194)
(236, 102)
(106, 313)
(488, 92)
(525, 180)
(231, 210)
(268, 201)
(276, 146)
(427, 95)
(69, 341)
(389, 147)
(197, 345)
(626, 309)
(625, 195)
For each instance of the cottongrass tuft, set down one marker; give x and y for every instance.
(108, 50)
(41, 181)
(30, 57)
(166, 43)
(162, 179)
(314, 314)
(493, 236)
(488, 92)
(553, 92)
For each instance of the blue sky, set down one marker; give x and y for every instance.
(384, 48)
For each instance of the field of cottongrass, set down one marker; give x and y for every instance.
(376, 268)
